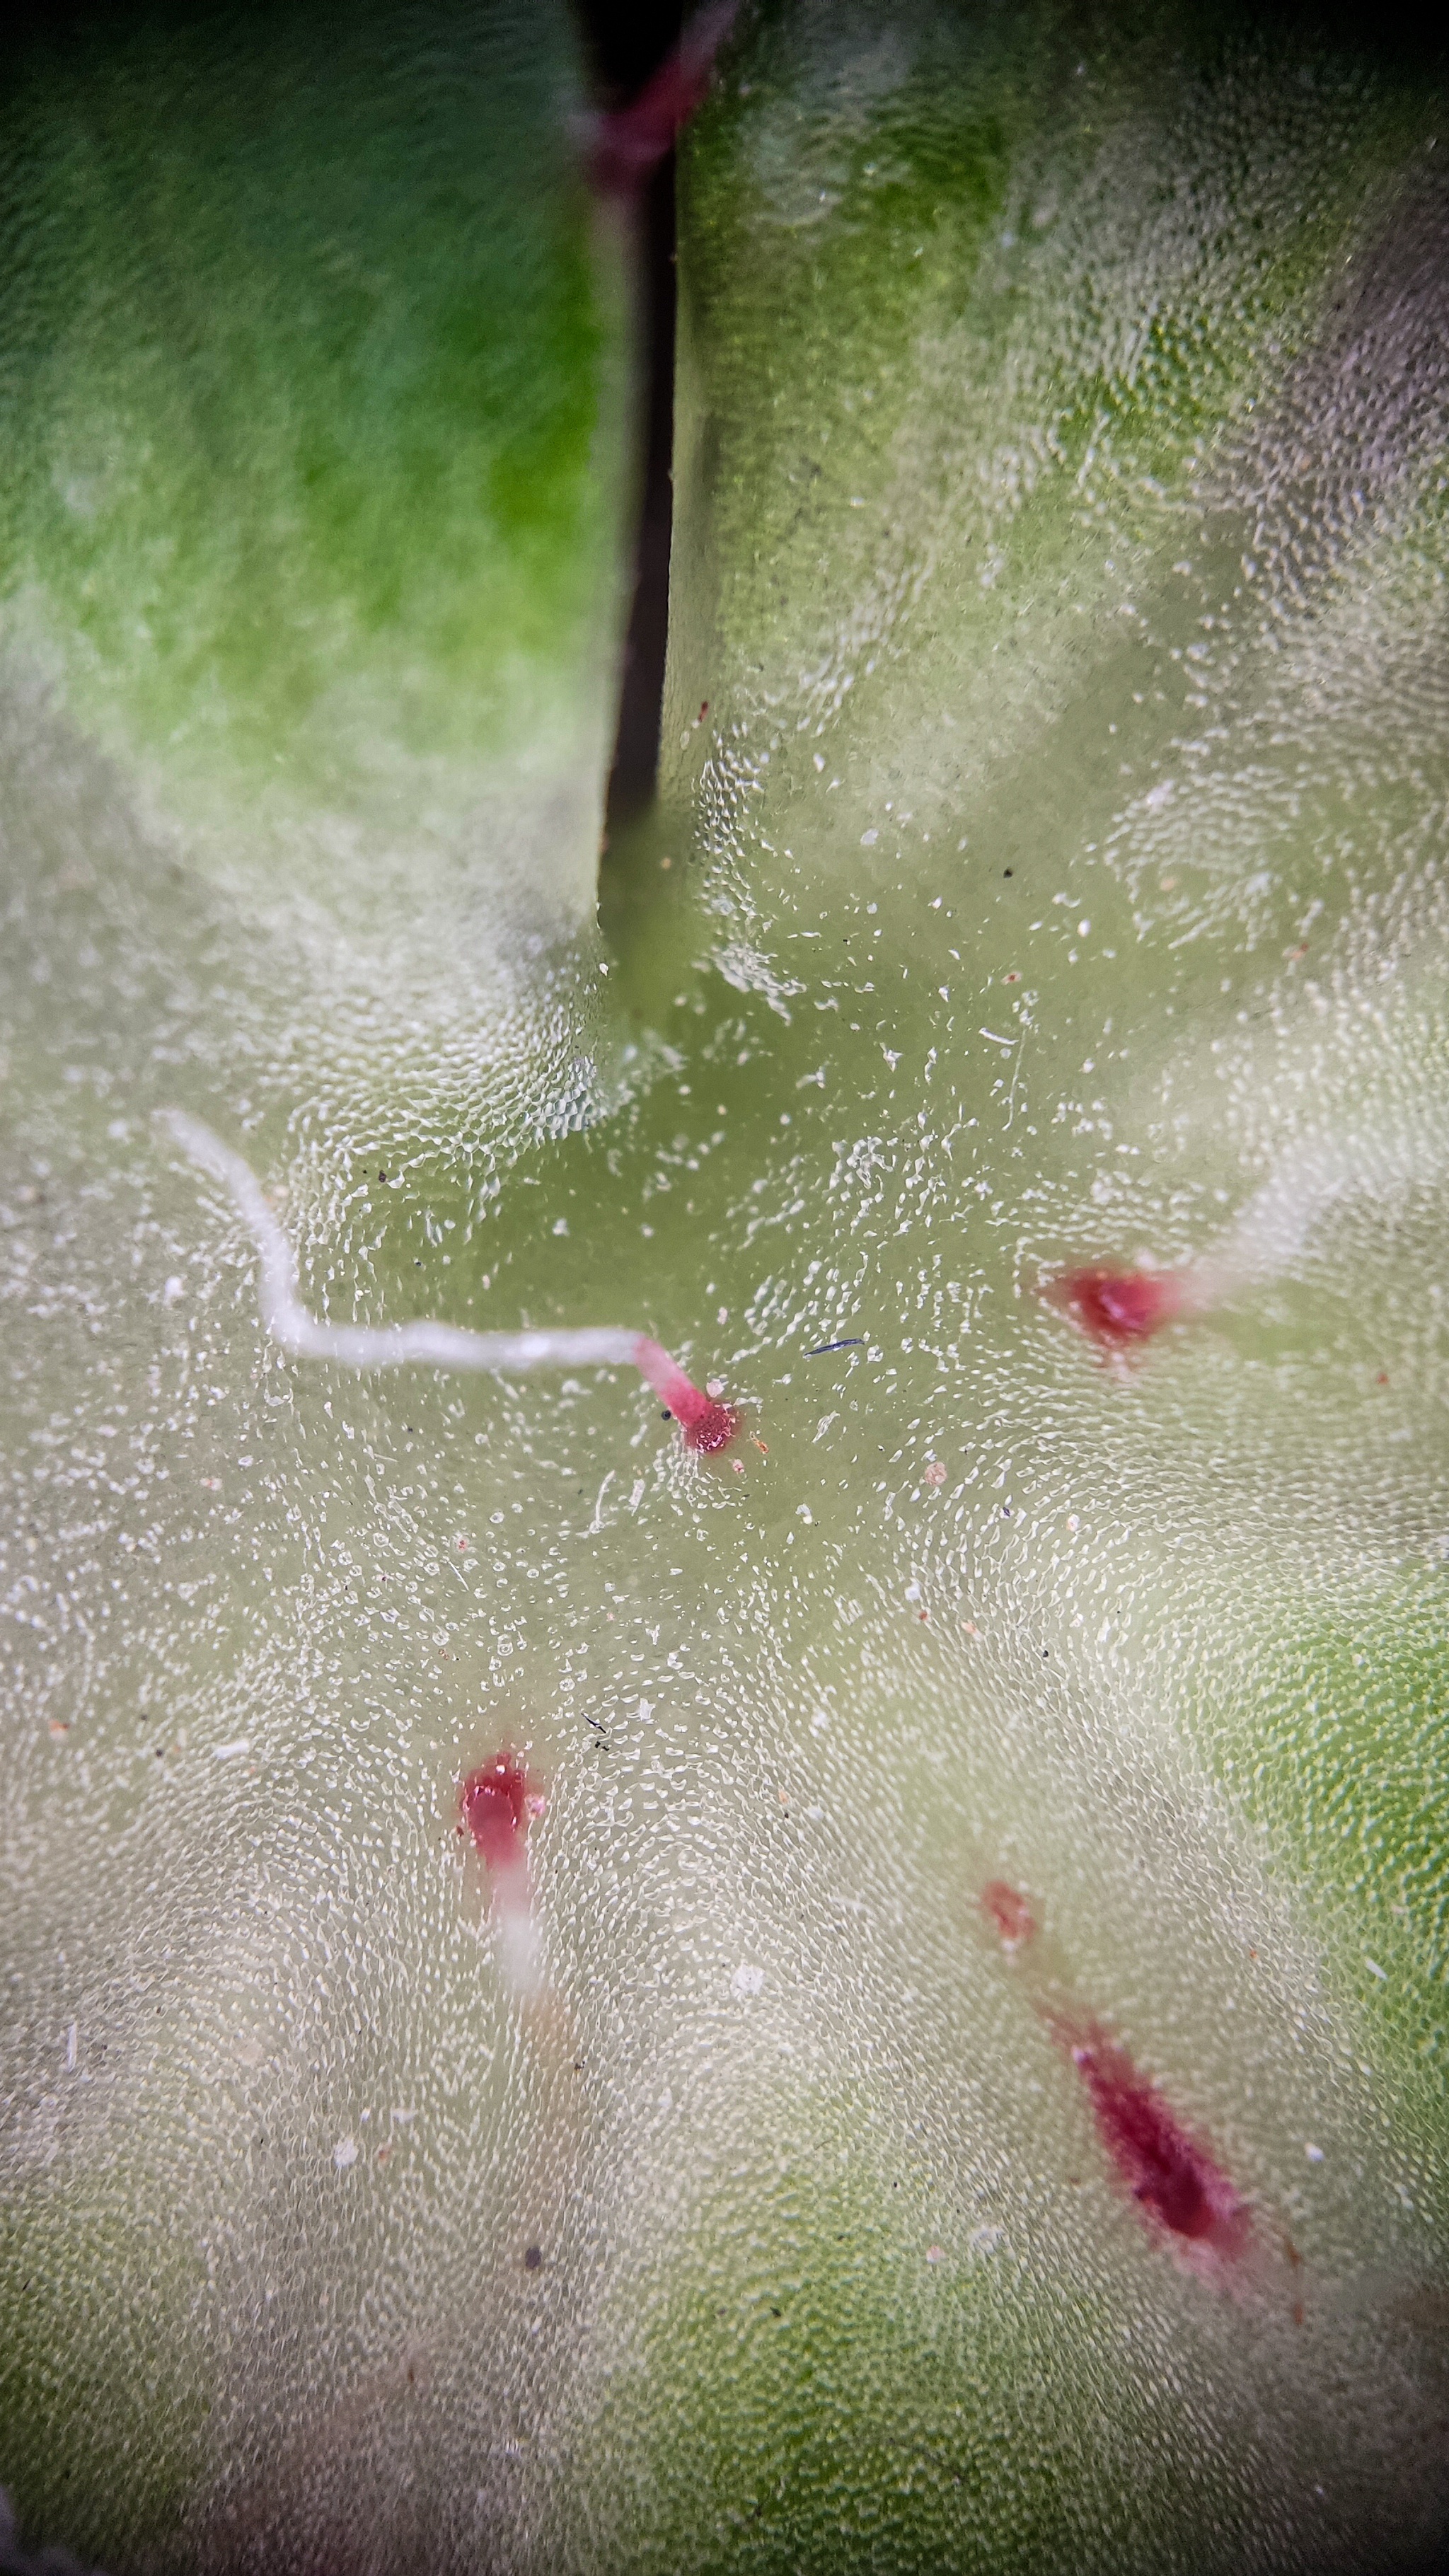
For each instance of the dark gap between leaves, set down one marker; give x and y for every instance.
(627, 44)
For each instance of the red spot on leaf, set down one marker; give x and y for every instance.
(710, 1427)
(496, 1801)
(1168, 2172)
(1008, 1909)
(1117, 1306)
(706, 1424)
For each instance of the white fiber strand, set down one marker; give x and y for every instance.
(1273, 1229)
(370, 1346)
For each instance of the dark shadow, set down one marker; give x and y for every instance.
(627, 44)
(634, 774)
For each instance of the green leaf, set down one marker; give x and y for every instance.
(311, 427)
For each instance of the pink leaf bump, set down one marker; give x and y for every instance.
(1009, 1911)
(1117, 1306)
(1267, 1238)
(706, 1424)
(495, 1803)
(1170, 2175)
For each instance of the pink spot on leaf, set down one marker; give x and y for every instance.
(706, 1424)
(1008, 1909)
(709, 1427)
(1169, 2173)
(1117, 1306)
(495, 1803)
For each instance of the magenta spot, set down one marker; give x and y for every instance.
(706, 1425)
(1168, 2173)
(632, 141)
(496, 1801)
(1008, 1909)
(1117, 1306)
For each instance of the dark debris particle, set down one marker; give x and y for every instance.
(532, 2257)
(853, 1342)
(666, 1415)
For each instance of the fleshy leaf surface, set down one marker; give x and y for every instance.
(724, 2175)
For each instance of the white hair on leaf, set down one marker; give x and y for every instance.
(706, 1424)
